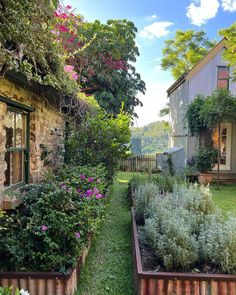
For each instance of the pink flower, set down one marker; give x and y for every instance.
(56, 14)
(98, 180)
(90, 179)
(89, 193)
(82, 176)
(78, 190)
(98, 196)
(64, 187)
(68, 68)
(74, 76)
(43, 227)
(68, 7)
(71, 40)
(63, 29)
(96, 190)
(77, 235)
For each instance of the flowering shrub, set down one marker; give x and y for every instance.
(51, 227)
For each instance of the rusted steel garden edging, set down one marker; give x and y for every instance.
(46, 283)
(175, 283)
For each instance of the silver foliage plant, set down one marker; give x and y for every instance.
(185, 229)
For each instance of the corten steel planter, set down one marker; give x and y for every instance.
(205, 178)
(175, 283)
(46, 283)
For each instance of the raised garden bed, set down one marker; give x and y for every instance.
(47, 283)
(175, 283)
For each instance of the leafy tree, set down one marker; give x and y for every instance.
(230, 52)
(99, 139)
(184, 51)
(101, 55)
(27, 44)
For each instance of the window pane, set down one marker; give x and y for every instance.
(20, 130)
(223, 73)
(9, 127)
(7, 172)
(222, 84)
(17, 167)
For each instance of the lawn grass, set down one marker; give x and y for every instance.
(109, 265)
(225, 197)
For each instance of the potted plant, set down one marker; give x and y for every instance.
(206, 158)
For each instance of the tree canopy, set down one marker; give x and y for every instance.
(184, 51)
(230, 52)
(50, 43)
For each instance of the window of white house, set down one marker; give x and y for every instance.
(16, 147)
(223, 77)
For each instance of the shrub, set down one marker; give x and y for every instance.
(185, 230)
(206, 158)
(144, 195)
(51, 227)
(99, 139)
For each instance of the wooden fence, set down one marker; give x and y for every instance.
(144, 163)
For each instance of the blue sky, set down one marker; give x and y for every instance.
(157, 20)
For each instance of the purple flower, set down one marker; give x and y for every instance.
(96, 190)
(98, 196)
(78, 190)
(43, 227)
(82, 176)
(89, 193)
(64, 187)
(90, 179)
(77, 235)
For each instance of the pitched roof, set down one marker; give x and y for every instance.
(204, 60)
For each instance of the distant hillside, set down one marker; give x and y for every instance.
(154, 137)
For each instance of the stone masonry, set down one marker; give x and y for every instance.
(46, 132)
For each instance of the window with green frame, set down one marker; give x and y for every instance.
(17, 147)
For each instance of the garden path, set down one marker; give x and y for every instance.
(108, 267)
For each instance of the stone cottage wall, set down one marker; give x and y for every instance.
(46, 132)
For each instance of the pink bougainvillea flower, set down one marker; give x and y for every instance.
(96, 190)
(68, 7)
(68, 69)
(56, 14)
(89, 193)
(74, 76)
(77, 235)
(64, 16)
(43, 227)
(90, 179)
(82, 176)
(71, 40)
(62, 29)
(98, 196)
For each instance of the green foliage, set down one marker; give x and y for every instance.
(8, 291)
(196, 123)
(154, 136)
(105, 68)
(185, 230)
(28, 46)
(184, 51)
(206, 158)
(230, 40)
(99, 139)
(49, 230)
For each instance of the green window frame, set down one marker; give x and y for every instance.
(17, 126)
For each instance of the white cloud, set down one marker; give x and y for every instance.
(229, 5)
(150, 18)
(200, 11)
(155, 30)
(154, 100)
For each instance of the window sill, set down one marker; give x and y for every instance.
(10, 203)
